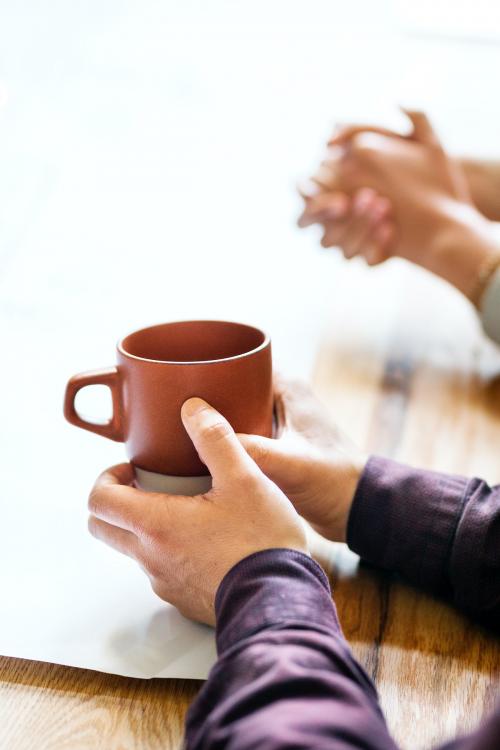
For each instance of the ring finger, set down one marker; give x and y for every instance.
(119, 539)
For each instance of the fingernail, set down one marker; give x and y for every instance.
(192, 406)
(372, 255)
(337, 131)
(308, 188)
(309, 216)
(334, 152)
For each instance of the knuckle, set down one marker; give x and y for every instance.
(150, 536)
(250, 482)
(148, 563)
(260, 453)
(154, 535)
(216, 431)
(92, 525)
(95, 502)
(157, 587)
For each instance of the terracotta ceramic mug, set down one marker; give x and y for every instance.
(227, 364)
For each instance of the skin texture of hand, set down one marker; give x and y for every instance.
(400, 195)
(359, 225)
(186, 545)
(483, 180)
(312, 461)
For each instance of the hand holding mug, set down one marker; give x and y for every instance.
(312, 461)
(186, 545)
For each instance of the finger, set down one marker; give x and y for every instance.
(279, 384)
(352, 234)
(301, 411)
(347, 133)
(380, 211)
(215, 440)
(119, 474)
(121, 540)
(308, 189)
(360, 227)
(117, 503)
(328, 177)
(325, 207)
(423, 131)
(375, 246)
(380, 248)
(264, 451)
(261, 449)
(334, 233)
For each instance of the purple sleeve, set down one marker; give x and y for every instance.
(285, 677)
(441, 532)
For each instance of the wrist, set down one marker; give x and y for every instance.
(344, 481)
(271, 589)
(465, 249)
(483, 178)
(354, 475)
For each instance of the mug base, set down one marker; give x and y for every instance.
(150, 481)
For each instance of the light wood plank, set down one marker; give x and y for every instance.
(429, 395)
(49, 707)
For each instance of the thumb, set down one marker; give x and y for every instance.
(343, 135)
(269, 454)
(215, 440)
(423, 131)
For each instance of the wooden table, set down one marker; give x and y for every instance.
(406, 370)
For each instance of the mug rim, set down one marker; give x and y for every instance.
(267, 340)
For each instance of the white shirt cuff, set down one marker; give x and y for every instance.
(489, 307)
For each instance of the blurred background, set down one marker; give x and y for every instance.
(149, 153)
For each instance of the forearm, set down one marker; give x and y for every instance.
(483, 177)
(441, 532)
(464, 249)
(285, 676)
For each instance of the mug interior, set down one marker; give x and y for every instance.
(193, 341)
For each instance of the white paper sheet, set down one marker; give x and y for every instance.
(67, 598)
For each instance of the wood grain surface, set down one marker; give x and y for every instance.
(417, 382)
(47, 706)
(146, 151)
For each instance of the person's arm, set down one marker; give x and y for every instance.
(237, 556)
(441, 532)
(285, 677)
(379, 194)
(483, 178)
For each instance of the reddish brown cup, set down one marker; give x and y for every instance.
(227, 364)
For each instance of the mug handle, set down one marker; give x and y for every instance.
(112, 429)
